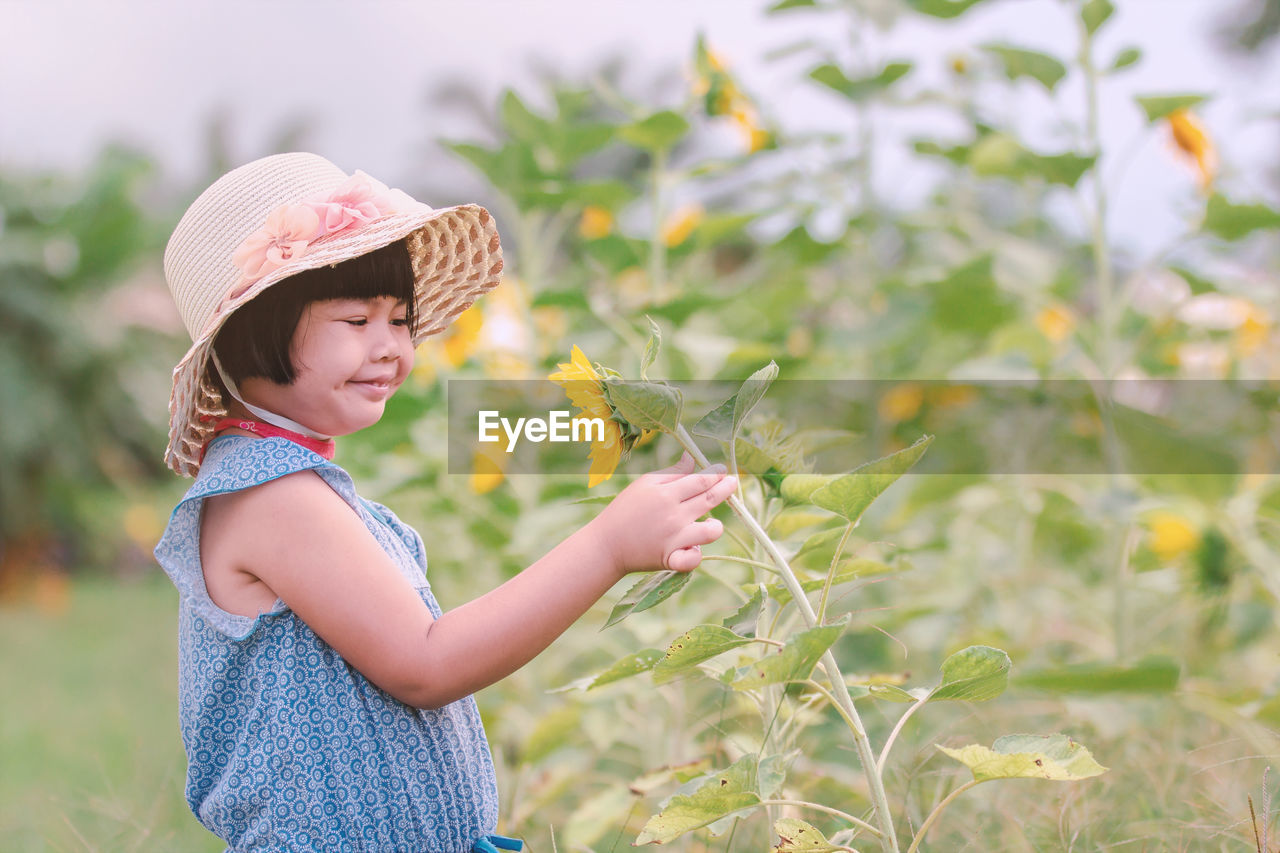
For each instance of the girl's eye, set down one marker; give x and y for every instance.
(356, 321)
(400, 321)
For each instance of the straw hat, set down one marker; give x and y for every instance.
(280, 215)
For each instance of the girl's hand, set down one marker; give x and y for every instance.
(653, 523)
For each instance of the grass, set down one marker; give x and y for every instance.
(91, 758)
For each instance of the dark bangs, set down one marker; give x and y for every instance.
(255, 339)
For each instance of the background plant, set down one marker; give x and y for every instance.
(1137, 611)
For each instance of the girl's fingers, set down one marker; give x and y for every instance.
(684, 559)
(676, 471)
(713, 495)
(699, 533)
(687, 554)
(692, 485)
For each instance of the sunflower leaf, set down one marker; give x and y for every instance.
(694, 646)
(850, 495)
(648, 405)
(796, 836)
(1055, 757)
(649, 592)
(731, 791)
(724, 421)
(975, 674)
(1160, 106)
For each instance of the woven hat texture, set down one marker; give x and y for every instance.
(455, 252)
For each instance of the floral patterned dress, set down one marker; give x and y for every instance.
(288, 747)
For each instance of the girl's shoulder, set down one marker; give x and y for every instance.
(234, 463)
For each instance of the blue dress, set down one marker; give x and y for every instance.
(288, 747)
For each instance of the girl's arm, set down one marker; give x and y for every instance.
(304, 542)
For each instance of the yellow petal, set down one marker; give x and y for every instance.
(596, 222)
(681, 223)
(486, 473)
(901, 402)
(1171, 535)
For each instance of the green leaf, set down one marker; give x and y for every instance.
(1095, 14)
(862, 88)
(975, 674)
(1056, 757)
(694, 646)
(850, 495)
(1233, 221)
(799, 488)
(641, 661)
(651, 348)
(1160, 106)
(724, 421)
(730, 791)
(1125, 58)
(518, 119)
(657, 132)
(650, 591)
(1020, 62)
(744, 621)
(890, 693)
(794, 662)
(648, 405)
(942, 8)
(796, 836)
(1151, 675)
(784, 5)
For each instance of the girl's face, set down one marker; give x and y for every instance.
(349, 357)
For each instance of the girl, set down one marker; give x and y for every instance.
(325, 698)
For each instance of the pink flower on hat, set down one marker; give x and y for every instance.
(291, 229)
(360, 200)
(287, 236)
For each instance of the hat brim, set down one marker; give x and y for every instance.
(456, 256)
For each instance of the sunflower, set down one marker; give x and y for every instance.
(586, 388)
(1193, 140)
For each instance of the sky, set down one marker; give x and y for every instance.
(74, 75)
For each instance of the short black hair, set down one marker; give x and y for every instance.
(255, 341)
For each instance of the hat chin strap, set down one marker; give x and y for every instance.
(270, 417)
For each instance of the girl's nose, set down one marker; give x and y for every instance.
(387, 347)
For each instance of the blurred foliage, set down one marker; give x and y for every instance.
(1138, 611)
(76, 359)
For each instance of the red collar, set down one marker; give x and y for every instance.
(321, 447)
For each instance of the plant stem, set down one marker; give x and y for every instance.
(840, 693)
(768, 567)
(831, 572)
(820, 808)
(893, 735)
(657, 248)
(937, 810)
(1106, 304)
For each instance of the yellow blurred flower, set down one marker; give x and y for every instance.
(585, 388)
(1055, 322)
(143, 524)
(596, 222)
(901, 402)
(486, 472)
(460, 339)
(1172, 535)
(959, 65)
(1254, 332)
(747, 121)
(953, 396)
(681, 223)
(1193, 140)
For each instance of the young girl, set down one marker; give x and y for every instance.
(325, 698)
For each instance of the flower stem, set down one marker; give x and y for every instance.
(804, 804)
(937, 810)
(893, 735)
(840, 693)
